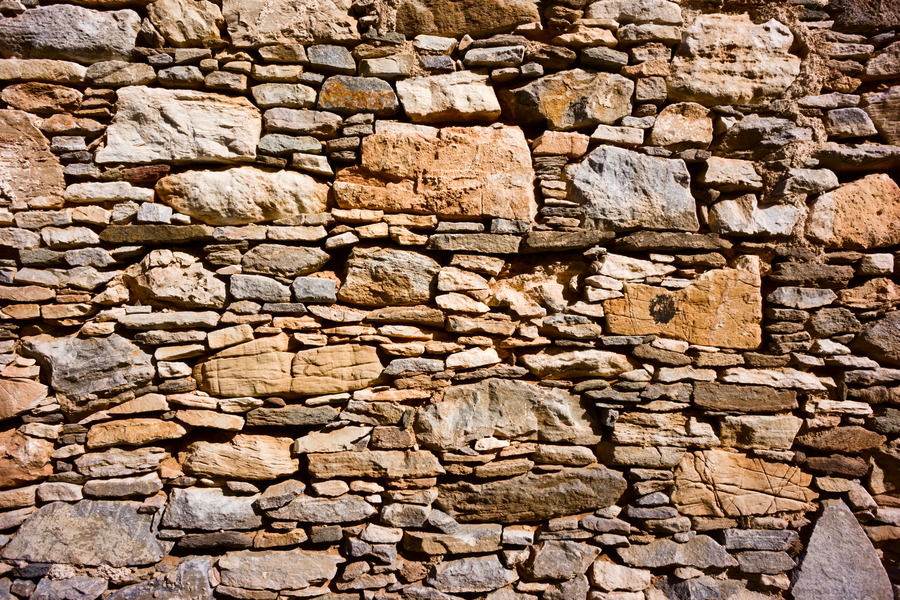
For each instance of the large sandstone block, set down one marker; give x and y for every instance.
(532, 496)
(335, 369)
(181, 126)
(18, 396)
(253, 457)
(242, 195)
(176, 279)
(393, 464)
(861, 214)
(451, 172)
(463, 96)
(722, 307)
(663, 429)
(385, 277)
(95, 533)
(186, 23)
(621, 190)
(253, 23)
(23, 459)
(724, 484)
(28, 170)
(505, 409)
(727, 59)
(478, 18)
(67, 32)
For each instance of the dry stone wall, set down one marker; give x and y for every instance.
(449, 299)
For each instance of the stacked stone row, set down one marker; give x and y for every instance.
(443, 300)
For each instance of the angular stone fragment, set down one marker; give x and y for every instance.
(571, 99)
(283, 261)
(186, 23)
(344, 94)
(477, 18)
(553, 364)
(661, 12)
(42, 97)
(133, 432)
(475, 574)
(156, 124)
(176, 278)
(18, 396)
(505, 409)
(743, 398)
(560, 560)
(533, 496)
(382, 277)
(464, 539)
(253, 457)
(73, 588)
(463, 96)
(682, 125)
(850, 439)
(861, 214)
(840, 561)
(345, 509)
(242, 195)
(209, 509)
(701, 552)
(82, 367)
(723, 484)
(621, 190)
(663, 429)
(452, 172)
(335, 369)
(29, 171)
(393, 464)
(118, 535)
(722, 307)
(338, 440)
(189, 580)
(884, 65)
(48, 32)
(727, 59)
(278, 570)
(884, 109)
(23, 459)
(761, 432)
(881, 339)
(253, 23)
(744, 216)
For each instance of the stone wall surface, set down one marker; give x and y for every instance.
(450, 299)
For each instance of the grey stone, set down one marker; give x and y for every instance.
(463, 539)
(475, 574)
(554, 560)
(331, 59)
(118, 462)
(302, 122)
(348, 95)
(73, 588)
(744, 216)
(621, 190)
(254, 23)
(840, 561)
(532, 496)
(126, 487)
(848, 123)
(190, 580)
(314, 289)
(209, 509)
(701, 552)
(277, 570)
(756, 137)
(119, 535)
(881, 339)
(279, 143)
(462, 96)
(766, 562)
(345, 509)
(495, 57)
(290, 95)
(258, 287)
(506, 409)
(776, 540)
(48, 32)
(486, 243)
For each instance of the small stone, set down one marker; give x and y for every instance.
(477, 18)
(802, 298)
(277, 569)
(682, 125)
(848, 123)
(331, 59)
(133, 432)
(290, 95)
(857, 214)
(701, 552)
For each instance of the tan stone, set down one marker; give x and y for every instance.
(254, 457)
(873, 294)
(761, 432)
(133, 432)
(884, 109)
(186, 23)
(257, 368)
(454, 18)
(375, 463)
(23, 459)
(663, 429)
(253, 23)
(722, 484)
(384, 277)
(722, 307)
(28, 170)
(41, 97)
(683, 125)
(333, 369)
(451, 172)
(18, 396)
(861, 214)
(176, 278)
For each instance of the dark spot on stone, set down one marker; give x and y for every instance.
(662, 308)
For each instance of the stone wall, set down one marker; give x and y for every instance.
(450, 299)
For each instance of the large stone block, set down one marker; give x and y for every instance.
(258, 367)
(253, 457)
(189, 580)
(861, 214)
(28, 170)
(384, 277)
(463, 96)
(23, 459)
(278, 570)
(478, 18)
(394, 464)
(253, 23)
(176, 279)
(452, 172)
(209, 509)
(335, 369)
(18, 396)
(181, 126)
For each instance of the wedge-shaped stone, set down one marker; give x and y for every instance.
(253, 457)
(465, 539)
(840, 561)
(554, 364)
(28, 170)
(727, 59)
(51, 32)
(533, 496)
(242, 195)
(189, 580)
(861, 214)
(393, 464)
(96, 533)
(209, 509)
(384, 277)
(181, 126)
(571, 99)
(723, 484)
(701, 552)
(259, 367)
(461, 97)
(345, 509)
(335, 369)
(278, 570)
(253, 23)
(621, 190)
(722, 307)
(454, 18)
(451, 172)
(505, 409)
(663, 429)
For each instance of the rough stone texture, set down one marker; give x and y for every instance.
(18, 396)
(335, 369)
(383, 277)
(477, 18)
(621, 190)
(28, 170)
(153, 124)
(186, 23)
(210, 509)
(347, 95)
(242, 195)
(884, 109)
(189, 580)
(252, 457)
(859, 214)
(277, 570)
(177, 279)
(253, 23)
(23, 459)
(881, 339)
(701, 552)
(726, 59)
(455, 97)
(476, 574)
(388, 463)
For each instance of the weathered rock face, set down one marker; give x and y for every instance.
(48, 32)
(440, 17)
(884, 109)
(153, 124)
(335, 369)
(253, 23)
(722, 307)
(253, 457)
(210, 510)
(653, 430)
(455, 97)
(621, 190)
(859, 214)
(189, 580)
(242, 195)
(18, 396)
(451, 172)
(277, 570)
(23, 459)
(119, 535)
(881, 339)
(718, 483)
(186, 23)
(177, 279)
(384, 463)
(261, 366)
(572, 99)
(477, 574)
(505, 409)
(28, 170)
(726, 59)
(382, 277)
(577, 363)
(283, 261)
(532, 496)
(701, 552)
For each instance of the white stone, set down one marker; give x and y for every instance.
(744, 216)
(463, 96)
(622, 267)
